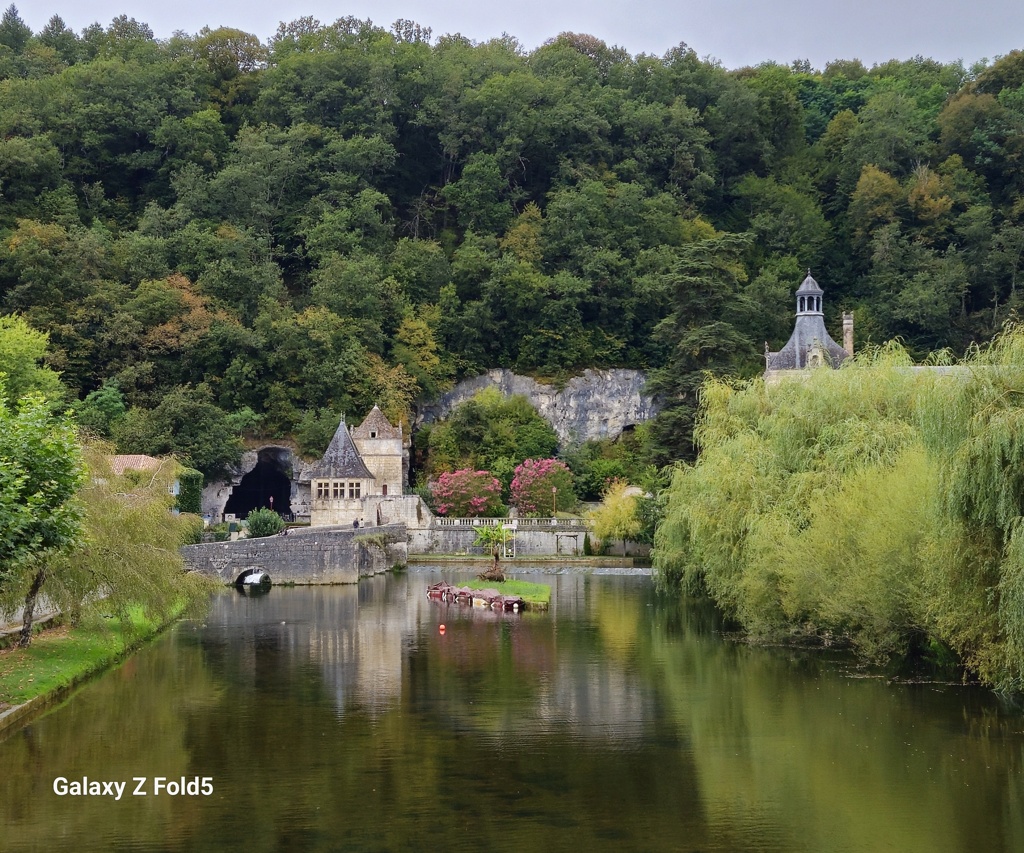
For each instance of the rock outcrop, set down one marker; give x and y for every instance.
(597, 404)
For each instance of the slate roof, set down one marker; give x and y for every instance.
(341, 460)
(809, 285)
(376, 422)
(808, 328)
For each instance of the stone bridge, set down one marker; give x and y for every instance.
(319, 555)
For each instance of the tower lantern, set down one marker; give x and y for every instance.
(810, 344)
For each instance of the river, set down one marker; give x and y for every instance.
(342, 718)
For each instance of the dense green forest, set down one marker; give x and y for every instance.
(233, 236)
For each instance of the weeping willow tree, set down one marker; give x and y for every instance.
(877, 503)
(975, 428)
(809, 505)
(128, 554)
(618, 517)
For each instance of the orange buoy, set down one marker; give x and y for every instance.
(441, 629)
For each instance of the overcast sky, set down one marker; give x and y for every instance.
(736, 32)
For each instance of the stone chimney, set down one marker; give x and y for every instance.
(848, 332)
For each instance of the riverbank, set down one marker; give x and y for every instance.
(514, 563)
(61, 657)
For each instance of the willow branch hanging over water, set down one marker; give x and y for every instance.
(877, 503)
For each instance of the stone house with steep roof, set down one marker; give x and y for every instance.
(362, 463)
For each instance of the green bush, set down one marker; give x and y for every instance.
(264, 522)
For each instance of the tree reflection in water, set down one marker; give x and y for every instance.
(340, 718)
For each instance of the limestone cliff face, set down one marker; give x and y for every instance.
(597, 404)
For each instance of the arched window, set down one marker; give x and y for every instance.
(801, 304)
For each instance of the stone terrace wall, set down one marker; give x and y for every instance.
(533, 537)
(322, 555)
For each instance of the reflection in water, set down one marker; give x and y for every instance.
(340, 718)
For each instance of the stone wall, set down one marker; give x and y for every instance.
(385, 459)
(315, 556)
(409, 510)
(539, 538)
(597, 404)
(339, 512)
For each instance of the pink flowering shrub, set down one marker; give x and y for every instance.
(466, 493)
(532, 486)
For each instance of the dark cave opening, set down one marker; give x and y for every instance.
(266, 485)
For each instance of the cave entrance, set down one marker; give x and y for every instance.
(266, 485)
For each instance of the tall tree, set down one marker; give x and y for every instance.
(40, 471)
(708, 331)
(14, 32)
(22, 368)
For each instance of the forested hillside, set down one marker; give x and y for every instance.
(220, 232)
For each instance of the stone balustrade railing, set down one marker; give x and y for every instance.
(514, 523)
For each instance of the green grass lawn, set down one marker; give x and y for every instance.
(59, 657)
(535, 594)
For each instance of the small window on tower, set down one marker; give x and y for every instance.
(373, 433)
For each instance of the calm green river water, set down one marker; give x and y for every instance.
(341, 718)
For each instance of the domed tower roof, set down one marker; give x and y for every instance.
(810, 341)
(809, 286)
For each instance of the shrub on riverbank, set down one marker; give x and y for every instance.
(467, 494)
(872, 503)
